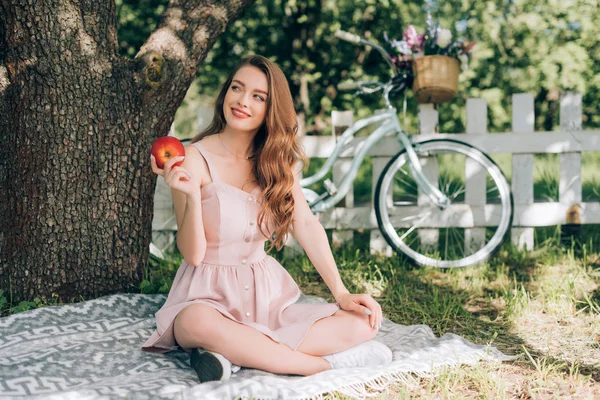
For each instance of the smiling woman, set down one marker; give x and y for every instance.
(230, 302)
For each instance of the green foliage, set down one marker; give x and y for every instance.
(6, 307)
(3, 301)
(543, 47)
(160, 273)
(136, 20)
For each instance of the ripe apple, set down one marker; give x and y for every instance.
(166, 147)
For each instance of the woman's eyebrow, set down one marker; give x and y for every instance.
(256, 90)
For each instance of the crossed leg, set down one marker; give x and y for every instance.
(200, 325)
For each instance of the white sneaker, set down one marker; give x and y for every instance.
(368, 354)
(211, 366)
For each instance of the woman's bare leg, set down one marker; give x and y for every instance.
(339, 332)
(200, 325)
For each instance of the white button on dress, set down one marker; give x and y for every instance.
(247, 314)
(247, 287)
(243, 261)
(250, 198)
(251, 223)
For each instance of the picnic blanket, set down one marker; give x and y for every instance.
(91, 350)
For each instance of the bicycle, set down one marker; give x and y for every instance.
(412, 208)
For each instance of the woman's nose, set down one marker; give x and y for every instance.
(244, 99)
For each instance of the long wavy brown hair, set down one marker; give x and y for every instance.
(277, 149)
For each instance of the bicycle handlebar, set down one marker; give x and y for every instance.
(347, 36)
(347, 86)
(397, 84)
(352, 38)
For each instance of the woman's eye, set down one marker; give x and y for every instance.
(235, 87)
(259, 97)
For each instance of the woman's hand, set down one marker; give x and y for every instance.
(363, 304)
(177, 178)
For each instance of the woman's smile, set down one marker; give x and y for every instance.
(239, 113)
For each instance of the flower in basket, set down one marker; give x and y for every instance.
(428, 61)
(435, 40)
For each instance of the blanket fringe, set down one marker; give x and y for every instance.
(370, 388)
(374, 387)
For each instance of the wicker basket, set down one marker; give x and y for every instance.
(436, 78)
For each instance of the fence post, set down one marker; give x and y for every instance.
(569, 186)
(340, 121)
(475, 177)
(428, 124)
(377, 243)
(523, 117)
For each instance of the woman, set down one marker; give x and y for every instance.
(236, 189)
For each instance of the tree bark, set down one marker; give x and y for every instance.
(76, 125)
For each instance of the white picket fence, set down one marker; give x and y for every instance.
(523, 142)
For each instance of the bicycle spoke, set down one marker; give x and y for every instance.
(411, 184)
(457, 239)
(415, 237)
(446, 244)
(415, 226)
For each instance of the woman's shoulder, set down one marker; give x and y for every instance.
(192, 150)
(195, 161)
(199, 146)
(203, 145)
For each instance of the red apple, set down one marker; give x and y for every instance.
(166, 147)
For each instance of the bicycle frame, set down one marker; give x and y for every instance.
(390, 123)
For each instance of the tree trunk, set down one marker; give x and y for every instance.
(76, 125)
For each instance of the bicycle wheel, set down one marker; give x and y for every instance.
(466, 233)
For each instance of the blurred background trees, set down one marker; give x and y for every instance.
(539, 46)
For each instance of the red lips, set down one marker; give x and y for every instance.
(239, 113)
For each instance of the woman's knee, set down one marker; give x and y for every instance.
(360, 330)
(196, 323)
(356, 328)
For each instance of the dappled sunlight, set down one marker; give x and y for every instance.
(174, 20)
(220, 13)
(165, 40)
(70, 22)
(546, 315)
(201, 36)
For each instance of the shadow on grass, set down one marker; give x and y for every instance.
(410, 295)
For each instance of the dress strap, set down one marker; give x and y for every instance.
(211, 169)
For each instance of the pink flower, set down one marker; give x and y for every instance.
(410, 36)
(409, 33)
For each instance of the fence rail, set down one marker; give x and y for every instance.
(523, 142)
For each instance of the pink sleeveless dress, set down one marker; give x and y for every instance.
(236, 277)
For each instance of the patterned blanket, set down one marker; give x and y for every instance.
(91, 350)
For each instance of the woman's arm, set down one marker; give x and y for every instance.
(312, 237)
(191, 240)
(185, 182)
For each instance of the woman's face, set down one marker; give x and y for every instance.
(245, 104)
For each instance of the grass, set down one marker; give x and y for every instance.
(543, 305)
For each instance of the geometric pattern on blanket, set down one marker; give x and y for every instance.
(91, 350)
